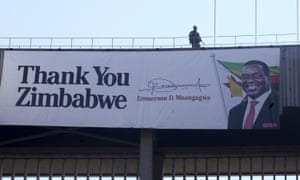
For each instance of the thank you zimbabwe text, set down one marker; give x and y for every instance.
(60, 86)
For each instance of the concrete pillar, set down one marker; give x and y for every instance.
(146, 155)
(158, 166)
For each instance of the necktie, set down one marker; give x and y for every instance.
(250, 115)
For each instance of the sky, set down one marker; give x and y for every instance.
(144, 18)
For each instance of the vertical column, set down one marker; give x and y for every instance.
(146, 154)
(158, 166)
(215, 21)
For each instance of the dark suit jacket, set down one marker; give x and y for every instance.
(268, 117)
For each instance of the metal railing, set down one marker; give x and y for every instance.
(269, 166)
(145, 42)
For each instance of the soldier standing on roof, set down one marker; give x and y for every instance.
(194, 38)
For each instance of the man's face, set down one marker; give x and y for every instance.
(254, 81)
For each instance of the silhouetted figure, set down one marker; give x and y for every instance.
(195, 38)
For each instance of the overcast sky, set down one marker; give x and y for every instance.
(144, 18)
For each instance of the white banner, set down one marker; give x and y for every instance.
(131, 89)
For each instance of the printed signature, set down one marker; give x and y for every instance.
(164, 85)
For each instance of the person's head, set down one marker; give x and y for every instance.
(255, 78)
(195, 28)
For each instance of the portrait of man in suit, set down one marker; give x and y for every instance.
(260, 108)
